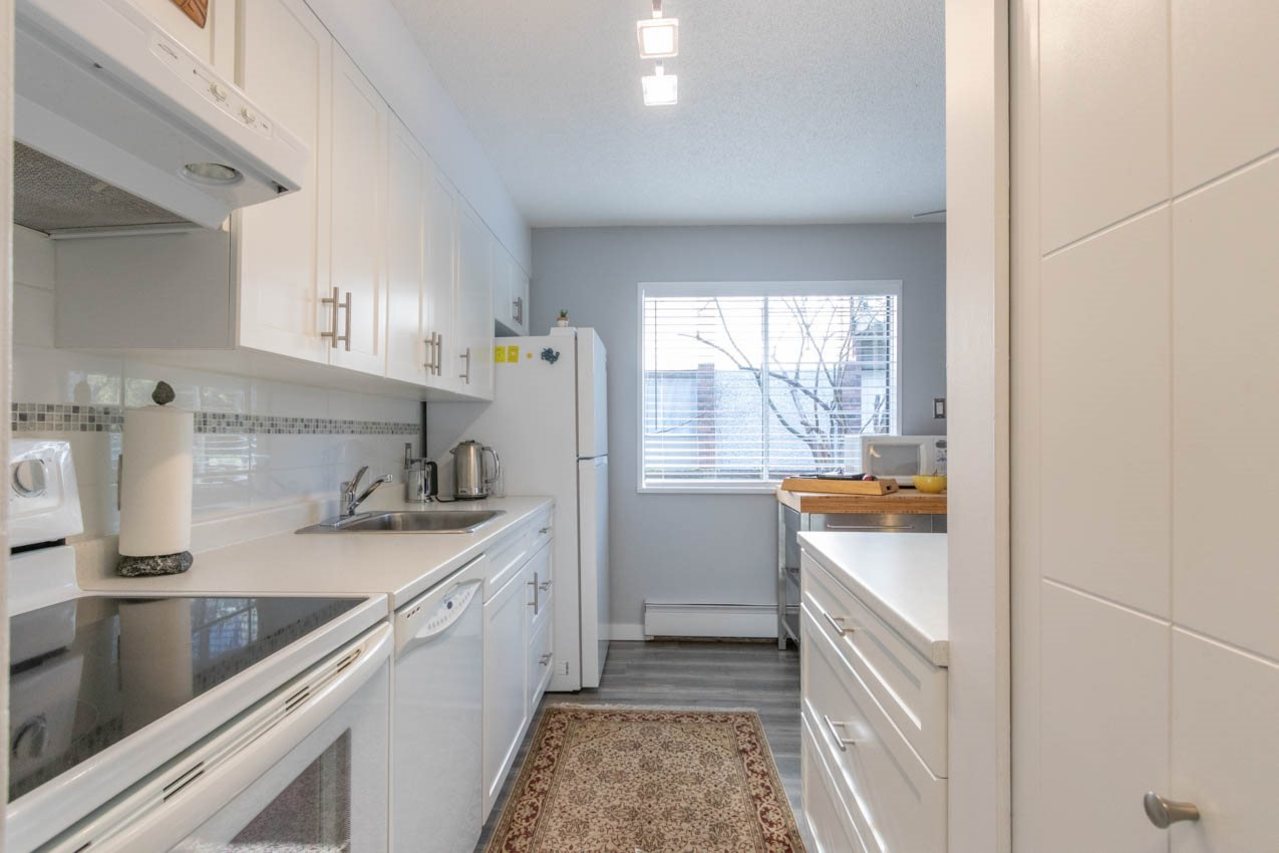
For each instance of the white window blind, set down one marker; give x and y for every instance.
(744, 384)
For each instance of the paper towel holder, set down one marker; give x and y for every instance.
(156, 564)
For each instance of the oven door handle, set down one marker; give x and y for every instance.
(173, 804)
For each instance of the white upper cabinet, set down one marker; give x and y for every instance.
(408, 348)
(474, 307)
(358, 312)
(375, 265)
(440, 287)
(510, 291)
(286, 56)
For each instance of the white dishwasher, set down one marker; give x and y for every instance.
(436, 721)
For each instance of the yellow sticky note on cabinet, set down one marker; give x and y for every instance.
(513, 354)
(499, 355)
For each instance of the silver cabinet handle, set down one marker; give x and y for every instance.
(533, 603)
(518, 313)
(347, 308)
(545, 659)
(837, 622)
(843, 742)
(439, 353)
(336, 301)
(1164, 813)
(467, 357)
(432, 364)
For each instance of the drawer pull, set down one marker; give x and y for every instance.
(1164, 813)
(843, 742)
(837, 622)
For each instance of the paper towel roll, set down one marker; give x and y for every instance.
(155, 482)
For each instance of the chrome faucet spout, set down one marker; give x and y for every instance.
(349, 501)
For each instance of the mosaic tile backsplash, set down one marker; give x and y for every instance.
(69, 417)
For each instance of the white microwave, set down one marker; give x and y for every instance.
(901, 457)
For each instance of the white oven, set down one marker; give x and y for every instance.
(305, 769)
(901, 457)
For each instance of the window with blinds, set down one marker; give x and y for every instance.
(744, 384)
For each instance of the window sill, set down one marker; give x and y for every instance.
(711, 489)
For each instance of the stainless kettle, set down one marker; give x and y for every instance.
(472, 478)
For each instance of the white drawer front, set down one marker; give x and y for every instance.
(541, 663)
(834, 829)
(910, 689)
(506, 556)
(904, 803)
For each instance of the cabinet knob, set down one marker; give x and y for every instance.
(1164, 813)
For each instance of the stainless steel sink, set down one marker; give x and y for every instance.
(429, 521)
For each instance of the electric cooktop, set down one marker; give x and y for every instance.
(88, 672)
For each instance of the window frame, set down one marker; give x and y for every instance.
(698, 289)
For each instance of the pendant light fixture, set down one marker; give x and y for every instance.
(658, 36)
(661, 89)
(659, 39)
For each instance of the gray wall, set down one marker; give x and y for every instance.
(721, 548)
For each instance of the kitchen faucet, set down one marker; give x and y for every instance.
(348, 502)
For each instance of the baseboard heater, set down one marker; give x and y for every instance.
(726, 621)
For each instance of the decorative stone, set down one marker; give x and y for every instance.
(161, 564)
(163, 393)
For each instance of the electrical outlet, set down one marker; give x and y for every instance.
(939, 408)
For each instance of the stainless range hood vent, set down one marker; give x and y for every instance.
(52, 197)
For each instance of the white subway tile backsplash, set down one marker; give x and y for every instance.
(35, 306)
(258, 443)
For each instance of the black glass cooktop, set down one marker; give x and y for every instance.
(86, 673)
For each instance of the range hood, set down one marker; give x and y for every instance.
(118, 125)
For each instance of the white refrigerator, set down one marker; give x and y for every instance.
(549, 422)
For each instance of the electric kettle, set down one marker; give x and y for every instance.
(472, 478)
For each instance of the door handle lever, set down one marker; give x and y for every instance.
(1163, 813)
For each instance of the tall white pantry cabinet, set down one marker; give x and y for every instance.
(1145, 629)
(377, 265)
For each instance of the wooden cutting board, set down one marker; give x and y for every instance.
(821, 485)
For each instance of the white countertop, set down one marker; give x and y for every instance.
(400, 565)
(901, 577)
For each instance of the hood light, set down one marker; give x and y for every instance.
(215, 174)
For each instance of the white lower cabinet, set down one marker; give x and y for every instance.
(518, 657)
(868, 784)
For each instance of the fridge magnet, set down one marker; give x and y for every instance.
(562, 321)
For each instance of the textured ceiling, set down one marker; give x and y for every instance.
(797, 111)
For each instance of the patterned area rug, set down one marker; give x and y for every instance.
(647, 780)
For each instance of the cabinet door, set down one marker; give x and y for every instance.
(519, 297)
(440, 293)
(505, 671)
(407, 353)
(281, 247)
(474, 308)
(356, 262)
(214, 42)
(500, 282)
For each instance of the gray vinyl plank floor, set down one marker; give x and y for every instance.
(693, 674)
